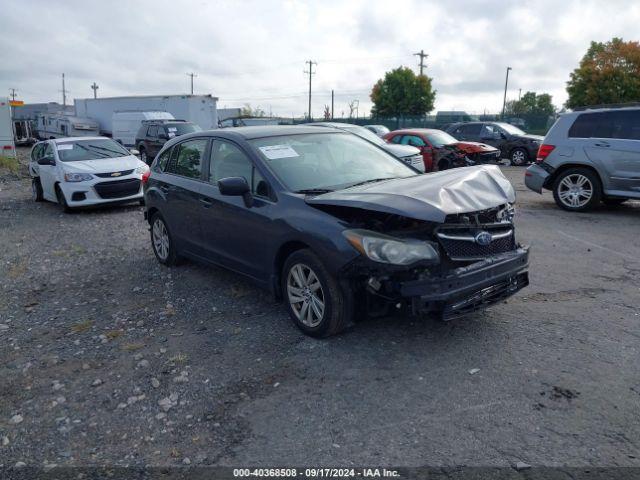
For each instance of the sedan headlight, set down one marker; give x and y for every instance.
(77, 177)
(142, 169)
(385, 249)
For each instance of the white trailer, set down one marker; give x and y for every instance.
(126, 124)
(7, 147)
(58, 125)
(199, 109)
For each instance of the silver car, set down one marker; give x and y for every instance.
(590, 156)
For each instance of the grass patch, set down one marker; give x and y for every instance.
(113, 334)
(132, 347)
(179, 358)
(9, 163)
(17, 269)
(82, 326)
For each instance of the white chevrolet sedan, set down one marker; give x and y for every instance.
(82, 171)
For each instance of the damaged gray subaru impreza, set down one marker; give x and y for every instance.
(335, 226)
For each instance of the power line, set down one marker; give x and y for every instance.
(191, 74)
(310, 72)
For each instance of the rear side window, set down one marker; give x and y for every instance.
(616, 124)
(188, 157)
(471, 129)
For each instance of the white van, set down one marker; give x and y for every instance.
(7, 147)
(126, 124)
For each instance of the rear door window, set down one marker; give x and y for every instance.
(188, 161)
(470, 129)
(622, 124)
(413, 140)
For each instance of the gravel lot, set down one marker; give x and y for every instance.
(109, 358)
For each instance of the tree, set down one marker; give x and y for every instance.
(247, 111)
(531, 104)
(327, 112)
(608, 73)
(402, 92)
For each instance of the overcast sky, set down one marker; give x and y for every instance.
(254, 51)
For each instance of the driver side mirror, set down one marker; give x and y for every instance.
(48, 160)
(236, 187)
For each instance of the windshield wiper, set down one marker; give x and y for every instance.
(108, 150)
(104, 155)
(373, 180)
(312, 191)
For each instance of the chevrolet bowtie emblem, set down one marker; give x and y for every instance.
(116, 174)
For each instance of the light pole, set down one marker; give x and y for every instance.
(504, 101)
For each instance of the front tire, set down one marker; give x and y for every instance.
(519, 157)
(162, 241)
(577, 190)
(36, 190)
(62, 200)
(317, 303)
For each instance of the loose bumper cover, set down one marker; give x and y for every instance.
(466, 289)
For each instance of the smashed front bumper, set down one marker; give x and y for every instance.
(466, 289)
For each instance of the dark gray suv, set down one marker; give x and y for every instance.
(590, 156)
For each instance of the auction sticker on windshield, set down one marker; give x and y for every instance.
(273, 152)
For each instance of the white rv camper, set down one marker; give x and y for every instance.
(57, 125)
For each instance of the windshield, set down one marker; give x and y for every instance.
(327, 161)
(439, 139)
(177, 129)
(80, 150)
(510, 129)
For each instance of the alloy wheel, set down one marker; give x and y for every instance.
(575, 190)
(305, 295)
(518, 157)
(160, 239)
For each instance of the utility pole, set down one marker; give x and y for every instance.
(504, 101)
(191, 74)
(64, 93)
(331, 104)
(310, 72)
(13, 94)
(422, 56)
(95, 88)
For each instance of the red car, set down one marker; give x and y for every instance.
(441, 151)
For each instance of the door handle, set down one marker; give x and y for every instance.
(602, 144)
(206, 202)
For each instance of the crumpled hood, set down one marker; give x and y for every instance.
(400, 151)
(474, 147)
(429, 197)
(103, 165)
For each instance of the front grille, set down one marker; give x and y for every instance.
(118, 188)
(415, 161)
(459, 242)
(121, 173)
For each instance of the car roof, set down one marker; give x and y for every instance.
(418, 130)
(260, 131)
(75, 139)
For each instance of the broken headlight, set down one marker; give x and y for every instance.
(385, 249)
(507, 213)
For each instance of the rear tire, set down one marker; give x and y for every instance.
(162, 241)
(316, 302)
(577, 190)
(519, 157)
(36, 190)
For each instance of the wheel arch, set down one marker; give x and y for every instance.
(151, 212)
(285, 250)
(551, 180)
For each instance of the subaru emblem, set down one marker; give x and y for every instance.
(483, 238)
